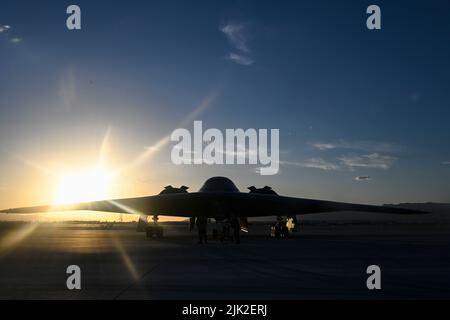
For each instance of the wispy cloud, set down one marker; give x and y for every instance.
(363, 178)
(322, 146)
(367, 154)
(348, 163)
(369, 146)
(373, 160)
(316, 163)
(15, 40)
(237, 37)
(240, 59)
(445, 163)
(5, 29)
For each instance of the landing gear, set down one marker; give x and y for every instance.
(154, 229)
(215, 234)
(142, 223)
(279, 229)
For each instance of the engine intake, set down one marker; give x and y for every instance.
(265, 190)
(169, 189)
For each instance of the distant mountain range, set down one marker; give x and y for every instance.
(437, 208)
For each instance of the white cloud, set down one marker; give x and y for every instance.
(240, 59)
(236, 35)
(4, 28)
(369, 146)
(373, 160)
(373, 154)
(316, 163)
(350, 163)
(323, 146)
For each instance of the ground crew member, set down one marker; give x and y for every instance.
(201, 226)
(235, 224)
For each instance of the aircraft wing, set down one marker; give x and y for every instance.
(299, 206)
(171, 205)
(216, 204)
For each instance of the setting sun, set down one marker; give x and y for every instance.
(89, 185)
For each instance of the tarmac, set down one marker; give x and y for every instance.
(319, 262)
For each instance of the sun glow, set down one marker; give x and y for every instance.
(89, 185)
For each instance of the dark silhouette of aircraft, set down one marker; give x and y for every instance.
(218, 198)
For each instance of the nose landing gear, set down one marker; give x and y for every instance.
(154, 229)
(279, 229)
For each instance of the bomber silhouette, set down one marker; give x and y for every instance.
(218, 198)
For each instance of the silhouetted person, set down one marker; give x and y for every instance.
(225, 234)
(201, 226)
(236, 228)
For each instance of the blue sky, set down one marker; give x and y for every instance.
(349, 102)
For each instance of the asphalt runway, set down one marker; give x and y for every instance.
(321, 262)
